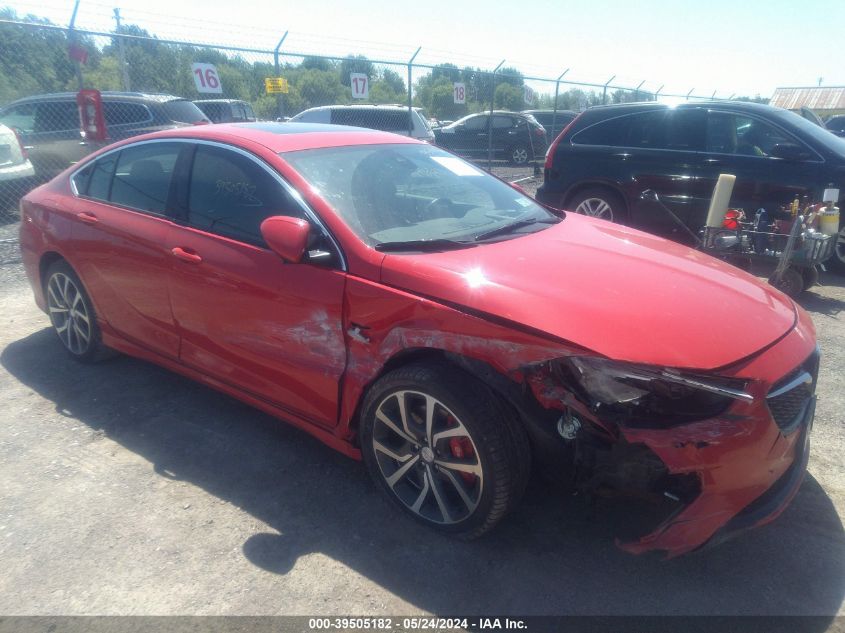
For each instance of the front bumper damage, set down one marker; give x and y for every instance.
(701, 483)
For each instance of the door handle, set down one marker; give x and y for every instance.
(87, 218)
(622, 155)
(712, 161)
(185, 256)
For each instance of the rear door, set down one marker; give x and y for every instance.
(246, 317)
(120, 230)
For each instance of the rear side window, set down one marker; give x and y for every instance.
(182, 111)
(214, 111)
(121, 112)
(231, 195)
(57, 116)
(680, 130)
(94, 180)
(502, 122)
(143, 176)
(476, 123)
(373, 118)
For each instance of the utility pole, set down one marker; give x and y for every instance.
(72, 43)
(122, 53)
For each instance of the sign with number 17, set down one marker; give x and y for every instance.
(360, 84)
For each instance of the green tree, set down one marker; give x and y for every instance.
(355, 64)
(508, 97)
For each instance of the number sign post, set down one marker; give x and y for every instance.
(206, 78)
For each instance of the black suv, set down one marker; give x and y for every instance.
(611, 154)
(48, 124)
(517, 138)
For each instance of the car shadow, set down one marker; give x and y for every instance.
(554, 556)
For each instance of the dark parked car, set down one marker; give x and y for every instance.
(48, 124)
(554, 122)
(517, 138)
(611, 154)
(226, 110)
(836, 124)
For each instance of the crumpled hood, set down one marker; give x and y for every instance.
(620, 292)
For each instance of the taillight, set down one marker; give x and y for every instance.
(550, 154)
(24, 153)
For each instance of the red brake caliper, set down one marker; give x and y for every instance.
(461, 447)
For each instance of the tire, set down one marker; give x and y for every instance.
(837, 262)
(599, 202)
(519, 155)
(809, 277)
(461, 483)
(72, 314)
(791, 283)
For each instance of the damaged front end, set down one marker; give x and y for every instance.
(687, 452)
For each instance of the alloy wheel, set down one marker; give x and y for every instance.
(427, 457)
(595, 207)
(69, 314)
(519, 155)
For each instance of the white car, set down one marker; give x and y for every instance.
(387, 118)
(14, 163)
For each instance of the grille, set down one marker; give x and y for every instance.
(789, 398)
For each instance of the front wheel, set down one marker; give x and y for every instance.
(444, 448)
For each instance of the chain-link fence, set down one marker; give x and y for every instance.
(148, 83)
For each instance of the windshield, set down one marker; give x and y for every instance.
(411, 193)
(818, 134)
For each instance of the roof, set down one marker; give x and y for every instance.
(815, 98)
(106, 94)
(286, 137)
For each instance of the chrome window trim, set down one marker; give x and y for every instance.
(309, 212)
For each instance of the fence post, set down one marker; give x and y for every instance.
(657, 94)
(278, 70)
(71, 37)
(637, 91)
(410, 93)
(490, 118)
(689, 93)
(124, 71)
(557, 91)
(604, 93)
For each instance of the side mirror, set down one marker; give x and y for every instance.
(788, 151)
(286, 236)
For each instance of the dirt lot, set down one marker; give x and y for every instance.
(129, 490)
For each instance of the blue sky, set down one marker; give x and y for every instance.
(728, 46)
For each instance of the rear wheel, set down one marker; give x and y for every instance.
(518, 155)
(601, 203)
(810, 277)
(444, 448)
(72, 313)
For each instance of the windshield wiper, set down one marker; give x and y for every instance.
(513, 226)
(421, 245)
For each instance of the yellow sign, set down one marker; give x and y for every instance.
(274, 85)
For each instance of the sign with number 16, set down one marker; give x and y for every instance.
(206, 78)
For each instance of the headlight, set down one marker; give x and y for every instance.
(648, 397)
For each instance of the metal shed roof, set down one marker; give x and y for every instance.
(825, 98)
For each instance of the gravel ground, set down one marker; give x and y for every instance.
(130, 490)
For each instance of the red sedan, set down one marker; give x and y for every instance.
(406, 308)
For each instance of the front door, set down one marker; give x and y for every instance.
(247, 318)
